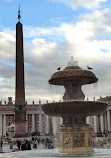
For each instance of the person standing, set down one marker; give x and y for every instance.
(1, 142)
(19, 144)
(35, 142)
(28, 145)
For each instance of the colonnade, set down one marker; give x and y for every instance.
(101, 123)
(3, 124)
(44, 124)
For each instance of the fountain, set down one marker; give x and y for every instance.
(75, 136)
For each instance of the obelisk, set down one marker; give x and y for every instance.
(20, 107)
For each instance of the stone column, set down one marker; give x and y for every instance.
(33, 123)
(95, 124)
(27, 123)
(106, 123)
(61, 120)
(47, 124)
(40, 124)
(54, 125)
(101, 123)
(88, 120)
(0, 125)
(108, 120)
(92, 121)
(4, 125)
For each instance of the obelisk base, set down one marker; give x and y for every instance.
(75, 140)
(20, 129)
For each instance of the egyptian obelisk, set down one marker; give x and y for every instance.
(20, 107)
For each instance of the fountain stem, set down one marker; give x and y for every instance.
(73, 91)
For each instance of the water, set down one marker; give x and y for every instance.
(53, 153)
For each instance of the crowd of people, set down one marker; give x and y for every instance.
(23, 145)
(26, 145)
(48, 143)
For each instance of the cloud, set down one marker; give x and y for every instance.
(43, 55)
(98, 21)
(7, 42)
(82, 3)
(49, 33)
(87, 39)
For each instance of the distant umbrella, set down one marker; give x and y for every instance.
(58, 68)
(89, 68)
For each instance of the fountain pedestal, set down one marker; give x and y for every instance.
(77, 140)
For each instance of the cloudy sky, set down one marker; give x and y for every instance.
(55, 30)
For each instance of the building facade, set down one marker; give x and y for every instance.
(36, 120)
(101, 124)
(34, 116)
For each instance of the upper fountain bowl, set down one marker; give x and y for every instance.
(84, 108)
(74, 74)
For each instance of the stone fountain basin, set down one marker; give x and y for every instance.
(84, 108)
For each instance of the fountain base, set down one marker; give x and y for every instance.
(76, 139)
